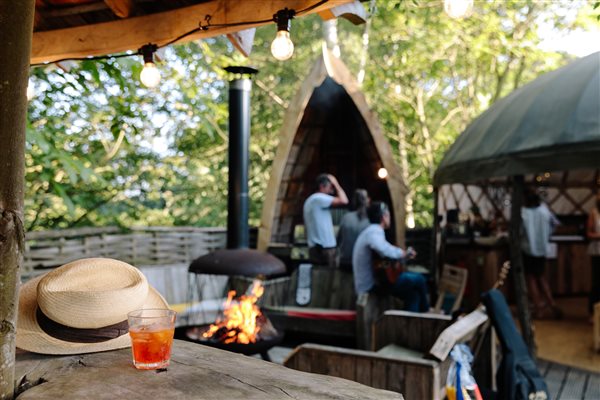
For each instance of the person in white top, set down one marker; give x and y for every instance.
(593, 235)
(538, 224)
(318, 222)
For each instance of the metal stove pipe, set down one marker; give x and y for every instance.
(238, 259)
(239, 138)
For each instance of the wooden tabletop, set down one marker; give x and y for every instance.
(196, 372)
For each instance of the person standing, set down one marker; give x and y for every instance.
(351, 225)
(593, 235)
(318, 222)
(408, 286)
(538, 224)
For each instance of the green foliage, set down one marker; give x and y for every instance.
(102, 149)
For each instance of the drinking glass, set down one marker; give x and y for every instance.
(151, 332)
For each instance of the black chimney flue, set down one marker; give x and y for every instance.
(238, 259)
(239, 138)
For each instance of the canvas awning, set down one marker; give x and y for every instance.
(550, 124)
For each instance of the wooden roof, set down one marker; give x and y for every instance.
(81, 28)
(310, 144)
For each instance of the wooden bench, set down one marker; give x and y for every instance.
(403, 357)
(330, 311)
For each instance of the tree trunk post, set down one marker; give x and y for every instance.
(16, 26)
(516, 259)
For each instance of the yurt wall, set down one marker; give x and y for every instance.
(568, 194)
(328, 129)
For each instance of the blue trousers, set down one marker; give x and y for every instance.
(412, 289)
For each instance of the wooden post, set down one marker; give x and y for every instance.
(16, 26)
(516, 260)
(435, 257)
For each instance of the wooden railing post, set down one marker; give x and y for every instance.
(516, 260)
(16, 27)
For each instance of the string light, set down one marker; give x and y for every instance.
(458, 8)
(282, 46)
(150, 75)
(382, 173)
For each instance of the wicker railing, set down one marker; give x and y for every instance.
(138, 246)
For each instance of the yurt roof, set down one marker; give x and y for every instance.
(550, 124)
(66, 29)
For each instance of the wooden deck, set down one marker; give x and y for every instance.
(568, 383)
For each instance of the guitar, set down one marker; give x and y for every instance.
(386, 270)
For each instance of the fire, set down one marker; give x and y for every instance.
(239, 321)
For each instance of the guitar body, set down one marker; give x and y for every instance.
(387, 270)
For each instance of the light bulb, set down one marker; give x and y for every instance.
(458, 8)
(382, 173)
(150, 75)
(282, 47)
(30, 91)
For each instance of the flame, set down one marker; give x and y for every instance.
(239, 317)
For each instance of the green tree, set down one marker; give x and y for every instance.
(102, 149)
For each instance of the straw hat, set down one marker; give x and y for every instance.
(82, 307)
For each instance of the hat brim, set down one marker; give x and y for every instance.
(32, 338)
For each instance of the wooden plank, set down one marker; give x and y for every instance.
(554, 379)
(411, 330)
(70, 232)
(574, 385)
(217, 374)
(364, 373)
(160, 28)
(415, 378)
(121, 8)
(592, 390)
(378, 374)
(465, 326)
(353, 12)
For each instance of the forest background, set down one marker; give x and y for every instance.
(104, 150)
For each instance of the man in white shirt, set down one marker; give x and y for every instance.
(538, 224)
(409, 286)
(318, 222)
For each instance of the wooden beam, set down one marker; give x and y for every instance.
(353, 12)
(121, 8)
(161, 28)
(243, 40)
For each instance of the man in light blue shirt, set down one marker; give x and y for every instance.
(538, 224)
(409, 286)
(318, 222)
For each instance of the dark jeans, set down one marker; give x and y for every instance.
(412, 289)
(534, 265)
(595, 291)
(323, 256)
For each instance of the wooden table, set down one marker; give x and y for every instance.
(196, 372)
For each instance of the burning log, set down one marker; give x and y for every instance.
(242, 321)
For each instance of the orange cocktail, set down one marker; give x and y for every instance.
(151, 334)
